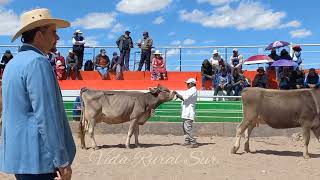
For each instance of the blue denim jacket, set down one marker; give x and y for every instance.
(36, 136)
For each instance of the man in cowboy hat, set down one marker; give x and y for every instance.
(145, 45)
(36, 141)
(78, 46)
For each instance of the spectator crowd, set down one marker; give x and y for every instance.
(224, 76)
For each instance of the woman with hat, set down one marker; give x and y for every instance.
(261, 79)
(36, 141)
(158, 67)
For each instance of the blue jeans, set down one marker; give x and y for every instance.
(145, 59)
(49, 176)
(102, 71)
(237, 90)
(124, 59)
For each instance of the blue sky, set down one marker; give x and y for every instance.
(175, 22)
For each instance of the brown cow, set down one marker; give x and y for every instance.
(115, 107)
(280, 109)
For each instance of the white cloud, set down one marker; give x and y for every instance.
(118, 28)
(175, 42)
(294, 24)
(172, 52)
(189, 41)
(111, 36)
(300, 33)
(141, 6)
(248, 15)
(209, 41)
(158, 20)
(91, 41)
(171, 34)
(217, 2)
(96, 20)
(9, 22)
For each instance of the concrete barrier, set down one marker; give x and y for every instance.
(200, 129)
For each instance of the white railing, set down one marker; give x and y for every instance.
(189, 58)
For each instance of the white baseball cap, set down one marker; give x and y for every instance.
(215, 52)
(191, 80)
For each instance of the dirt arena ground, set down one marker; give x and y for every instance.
(162, 158)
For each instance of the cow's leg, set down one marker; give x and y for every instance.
(240, 129)
(91, 133)
(306, 137)
(136, 134)
(130, 132)
(247, 136)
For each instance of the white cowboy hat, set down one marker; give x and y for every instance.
(215, 52)
(157, 52)
(191, 80)
(38, 18)
(77, 32)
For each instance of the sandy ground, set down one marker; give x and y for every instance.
(162, 158)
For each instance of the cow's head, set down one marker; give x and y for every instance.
(163, 93)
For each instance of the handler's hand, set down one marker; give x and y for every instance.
(64, 173)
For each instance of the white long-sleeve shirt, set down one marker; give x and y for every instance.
(188, 110)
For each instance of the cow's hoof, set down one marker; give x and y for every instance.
(247, 149)
(83, 147)
(306, 156)
(128, 147)
(96, 148)
(234, 150)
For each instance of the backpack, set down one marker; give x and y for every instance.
(88, 66)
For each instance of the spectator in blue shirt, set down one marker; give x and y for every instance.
(312, 79)
(223, 82)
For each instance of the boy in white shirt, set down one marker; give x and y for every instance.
(188, 112)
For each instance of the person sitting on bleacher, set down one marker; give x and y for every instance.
(158, 67)
(285, 79)
(60, 66)
(312, 79)
(116, 65)
(7, 56)
(206, 72)
(223, 82)
(214, 60)
(102, 64)
(72, 64)
(238, 82)
(236, 60)
(261, 79)
(299, 78)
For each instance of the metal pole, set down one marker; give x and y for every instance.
(180, 59)
(226, 54)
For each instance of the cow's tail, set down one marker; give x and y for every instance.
(82, 117)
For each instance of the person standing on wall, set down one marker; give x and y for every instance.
(78, 47)
(145, 45)
(36, 140)
(124, 44)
